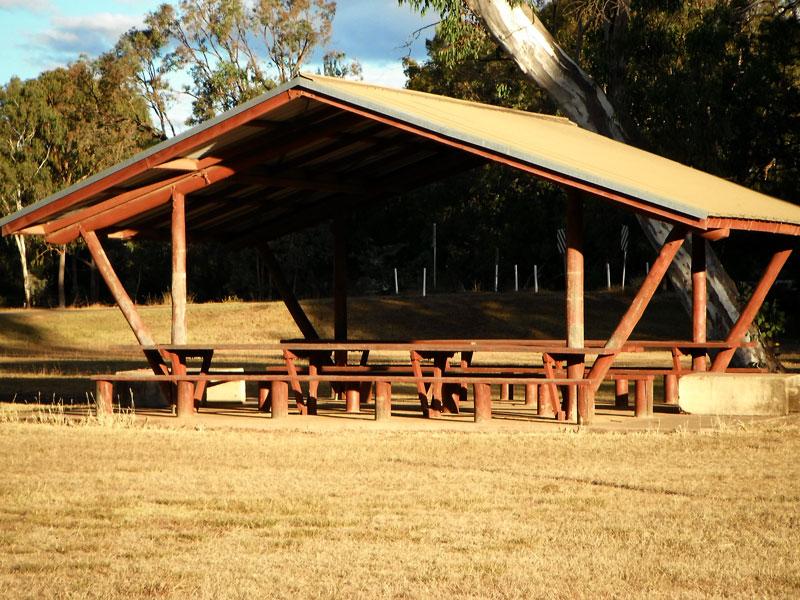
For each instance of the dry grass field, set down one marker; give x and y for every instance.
(89, 511)
(124, 508)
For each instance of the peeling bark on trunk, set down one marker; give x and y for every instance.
(538, 55)
(62, 267)
(22, 250)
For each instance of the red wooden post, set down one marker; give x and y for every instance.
(574, 302)
(483, 401)
(263, 396)
(504, 393)
(279, 397)
(340, 278)
(640, 398)
(383, 400)
(531, 394)
(639, 303)
(649, 389)
(670, 388)
(739, 329)
(104, 397)
(699, 298)
(621, 393)
(178, 268)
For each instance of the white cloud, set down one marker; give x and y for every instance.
(89, 34)
(25, 5)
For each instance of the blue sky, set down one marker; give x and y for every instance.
(37, 35)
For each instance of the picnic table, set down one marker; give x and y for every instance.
(428, 364)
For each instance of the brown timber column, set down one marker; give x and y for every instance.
(699, 298)
(178, 268)
(340, 278)
(185, 389)
(574, 303)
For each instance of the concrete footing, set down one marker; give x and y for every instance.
(739, 394)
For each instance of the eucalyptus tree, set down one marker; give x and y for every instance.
(517, 29)
(59, 128)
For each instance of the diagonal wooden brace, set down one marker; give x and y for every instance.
(748, 314)
(638, 305)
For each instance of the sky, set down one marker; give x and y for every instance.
(36, 35)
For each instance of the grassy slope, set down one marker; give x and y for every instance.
(44, 352)
(119, 513)
(447, 315)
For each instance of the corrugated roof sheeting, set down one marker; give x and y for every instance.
(320, 141)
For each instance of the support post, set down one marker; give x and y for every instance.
(287, 295)
(340, 278)
(383, 400)
(638, 305)
(574, 302)
(178, 291)
(748, 314)
(699, 298)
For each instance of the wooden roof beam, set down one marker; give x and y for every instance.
(127, 205)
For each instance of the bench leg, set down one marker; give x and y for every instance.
(545, 405)
(104, 397)
(279, 399)
(263, 397)
(670, 389)
(640, 398)
(352, 399)
(531, 394)
(451, 398)
(383, 400)
(185, 401)
(505, 394)
(483, 401)
(621, 393)
(585, 401)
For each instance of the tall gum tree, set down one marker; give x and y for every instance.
(518, 30)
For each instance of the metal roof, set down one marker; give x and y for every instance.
(295, 154)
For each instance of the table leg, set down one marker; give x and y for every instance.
(200, 387)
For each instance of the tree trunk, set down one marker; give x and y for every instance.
(524, 37)
(94, 288)
(22, 249)
(74, 269)
(62, 266)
